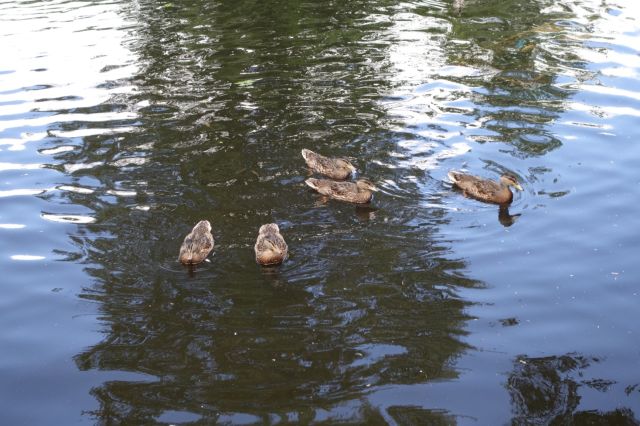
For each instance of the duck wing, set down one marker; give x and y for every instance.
(477, 187)
(330, 188)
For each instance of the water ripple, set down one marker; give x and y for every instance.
(124, 124)
(68, 218)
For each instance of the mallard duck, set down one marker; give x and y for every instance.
(335, 168)
(359, 192)
(270, 247)
(485, 189)
(197, 244)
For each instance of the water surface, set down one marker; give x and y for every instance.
(123, 124)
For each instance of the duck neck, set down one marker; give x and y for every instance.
(505, 192)
(364, 195)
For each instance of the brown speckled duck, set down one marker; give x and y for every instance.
(270, 248)
(485, 189)
(335, 168)
(359, 192)
(197, 244)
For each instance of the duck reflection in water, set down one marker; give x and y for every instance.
(365, 212)
(272, 276)
(505, 218)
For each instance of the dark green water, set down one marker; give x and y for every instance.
(122, 124)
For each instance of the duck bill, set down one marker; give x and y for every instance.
(518, 187)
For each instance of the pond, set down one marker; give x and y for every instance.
(122, 124)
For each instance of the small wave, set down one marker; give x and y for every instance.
(12, 226)
(68, 218)
(83, 133)
(129, 161)
(18, 166)
(57, 150)
(76, 189)
(26, 257)
(71, 168)
(48, 119)
(121, 193)
(21, 192)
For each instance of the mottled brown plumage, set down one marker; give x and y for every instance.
(335, 168)
(484, 189)
(359, 192)
(197, 244)
(270, 248)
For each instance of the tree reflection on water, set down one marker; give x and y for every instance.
(368, 298)
(230, 93)
(545, 391)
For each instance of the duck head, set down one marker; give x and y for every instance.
(510, 180)
(269, 228)
(366, 184)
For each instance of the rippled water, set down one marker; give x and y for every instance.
(124, 123)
